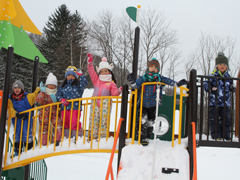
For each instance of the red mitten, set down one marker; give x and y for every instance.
(90, 57)
(65, 102)
(120, 89)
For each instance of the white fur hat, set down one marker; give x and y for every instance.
(51, 79)
(104, 64)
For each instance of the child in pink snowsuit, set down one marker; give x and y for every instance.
(47, 96)
(72, 88)
(104, 85)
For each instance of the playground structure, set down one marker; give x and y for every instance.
(190, 120)
(128, 103)
(83, 144)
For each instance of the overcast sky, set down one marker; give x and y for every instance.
(188, 17)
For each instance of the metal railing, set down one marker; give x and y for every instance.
(38, 169)
(183, 93)
(201, 98)
(78, 144)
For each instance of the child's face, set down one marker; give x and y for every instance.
(104, 71)
(222, 67)
(51, 86)
(17, 90)
(153, 69)
(71, 77)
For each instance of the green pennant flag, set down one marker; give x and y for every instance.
(132, 12)
(13, 36)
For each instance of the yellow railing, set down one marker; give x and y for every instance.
(81, 144)
(84, 143)
(134, 113)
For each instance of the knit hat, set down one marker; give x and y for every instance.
(51, 79)
(154, 62)
(221, 59)
(18, 83)
(71, 70)
(104, 64)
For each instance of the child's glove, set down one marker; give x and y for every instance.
(21, 116)
(131, 78)
(79, 72)
(182, 82)
(65, 102)
(53, 97)
(120, 89)
(213, 89)
(42, 87)
(90, 57)
(232, 88)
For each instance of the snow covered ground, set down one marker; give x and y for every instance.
(212, 163)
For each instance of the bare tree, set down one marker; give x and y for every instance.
(208, 47)
(157, 37)
(114, 39)
(190, 63)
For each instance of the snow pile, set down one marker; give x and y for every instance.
(137, 161)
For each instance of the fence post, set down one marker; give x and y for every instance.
(122, 135)
(135, 68)
(34, 85)
(5, 101)
(192, 115)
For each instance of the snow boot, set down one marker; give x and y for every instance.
(149, 132)
(144, 142)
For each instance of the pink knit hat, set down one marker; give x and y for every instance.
(104, 64)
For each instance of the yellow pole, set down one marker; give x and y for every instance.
(174, 109)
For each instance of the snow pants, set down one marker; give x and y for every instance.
(94, 121)
(148, 119)
(219, 113)
(74, 123)
(51, 134)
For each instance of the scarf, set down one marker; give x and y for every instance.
(50, 91)
(151, 76)
(18, 97)
(105, 78)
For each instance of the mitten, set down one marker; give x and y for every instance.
(213, 89)
(120, 89)
(79, 72)
(182, 82)
(232, 87)
(42, 87)
(131, 78)
(53, 97)
(90, 57)
(133, 86)
(65, 102)
(21, 116)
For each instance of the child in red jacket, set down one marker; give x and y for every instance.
(47, 96)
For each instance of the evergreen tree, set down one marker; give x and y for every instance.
(62, 43)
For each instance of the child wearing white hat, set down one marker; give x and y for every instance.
(104, 85)
(47, 96)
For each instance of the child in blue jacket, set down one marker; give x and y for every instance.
(20, 101)
(149, 96)
(216, 90)
(72, 88)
